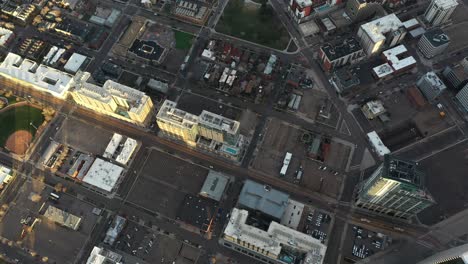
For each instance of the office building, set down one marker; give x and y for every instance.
(302, 10)
(462, 97)
(103, 256)
(103, 176)
(396, 61)
(218, 128)
(387, 31)
(433, 43)
(439, 11)
(431, 86)
(278, 244)
(456, 255)
(373, 109)
(359, 10)
(396, 188)
(347, 52)
(28, 75)
(177, 123)
(113, 99)
(455, 76)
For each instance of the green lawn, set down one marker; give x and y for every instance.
(18, 118)
(183, 40)
(259, 25)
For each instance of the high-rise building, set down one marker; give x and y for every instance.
(359, 10)
(218, 128)
(456, 255)
(462, 97)
(349, 51)
(464, 63)
(302, 10)
(433, 43)
(455, 76)
(177, 123)
(396, 188)
(439, 11)
(431, 86)
(387, 31)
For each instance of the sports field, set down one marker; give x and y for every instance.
(183, 40)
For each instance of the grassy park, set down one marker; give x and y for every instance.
(257, 23)
(183, 40)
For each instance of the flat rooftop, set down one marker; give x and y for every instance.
(218, 122)
(383, 70)
(376, 29)
(437, 37)
(103, 175)
(348, 46)
(170, 112)
(377, 143)
(214, 185)
(41, 77)
(403, 171)
(304, 3)
(263, 198)
(275, 238)
(395, 57)
(446, 3)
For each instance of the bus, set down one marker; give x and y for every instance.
(286, 161)
(54, 196)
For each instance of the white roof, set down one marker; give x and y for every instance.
(5, 35)
(395, 61)
(5, 173)
(273, 239)
(328, 24)
(208, 54)
(377, 143)
(292, 214)
(446, 3)
(63, 218)
(375, 107)
(103, 256)
(309, 28)
(41, 77)
(169, 112)
(377, 28)
(410, 23)
(74, 63)
(304, 3)
(127, 151)
(112, 146)
(383, 70)
(103, 175)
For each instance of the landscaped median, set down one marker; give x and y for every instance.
(255, 22)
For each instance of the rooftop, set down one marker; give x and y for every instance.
(103, 175)
(446, 3)
(214, 185)
(103, 256)
(263, 198)
(147, 49)
(5, 172)
(377, 29)
(437, 37)
(41, 77)
(74, 62)
(275, 238)
(127, 150)
(169, 112)
(411, 23)
(196, 211)
(114, 230)
(434, 80)
(375, 107)
(383, 70)
(348, 46)
(395, 58)
(5, 35)
(218, 122)
(403, 171)
(377, 143)
(112, 146)
(304, 3)
(63, 218)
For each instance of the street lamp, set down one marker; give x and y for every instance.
(31, 124)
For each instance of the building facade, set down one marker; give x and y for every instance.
(462, 97)
(387, 31)
(455, 76)
(396, 188)
(359, 10)
(431, 86)
(433, 43)
(219, 128)
(113, 99)
(439, 11)
(348, 52)
(456, 255)
(274, 245)
(177, 123)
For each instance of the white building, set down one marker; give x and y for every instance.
(386, 31)
(112, 146)
(377, 144)
(373, 109)
(127, 151)
(269, 246)
(177, 123)
(74, 63)
(6, 174)
(6, 36)
(433, 43)
(103, 256)
(103, 175)
(35, 76)
(439, 11)
(462, 97)
(456, 255)
(113, 99)
(431, 86)
(395, 63)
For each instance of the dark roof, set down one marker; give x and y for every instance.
(437, 37)
(349, 46)
(263, 198)
(403, 171)
(196, 211)
(147, 49)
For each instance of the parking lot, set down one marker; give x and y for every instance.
(73, 131)
(361, 243)
(317, 224)
(154, 246)
(163, 181)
